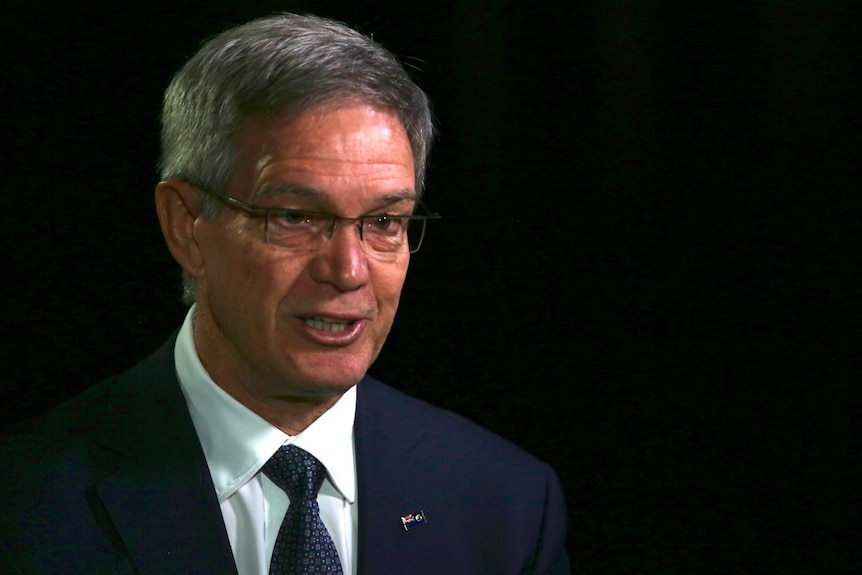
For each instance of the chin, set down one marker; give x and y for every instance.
(333, 374)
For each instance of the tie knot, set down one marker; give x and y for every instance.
(297, 472)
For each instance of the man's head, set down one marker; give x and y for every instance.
(269, 125)
(277, 66)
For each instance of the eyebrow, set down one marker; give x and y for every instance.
(288, 188)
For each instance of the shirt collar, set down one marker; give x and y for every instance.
(237, 442)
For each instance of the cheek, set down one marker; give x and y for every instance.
(247, 275)
(243, 270)
(281, 283)
(273, 278)
(388, 287)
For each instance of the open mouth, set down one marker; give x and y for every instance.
(327, 324)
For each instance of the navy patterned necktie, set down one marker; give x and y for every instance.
(303, 545)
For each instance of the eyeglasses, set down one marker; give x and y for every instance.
(383, 235)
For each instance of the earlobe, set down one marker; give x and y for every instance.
(178, 207)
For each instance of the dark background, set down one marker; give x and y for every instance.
(645, 274)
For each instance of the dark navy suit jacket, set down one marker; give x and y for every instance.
(116, 482)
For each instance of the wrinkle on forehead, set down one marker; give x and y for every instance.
(341, 134)
(294, 189)
(322, 154)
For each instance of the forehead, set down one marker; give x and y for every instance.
(353, 152)
(349, 132)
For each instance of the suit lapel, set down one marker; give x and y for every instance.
(393, 482)
(161, 497)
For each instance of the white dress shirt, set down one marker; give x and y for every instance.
(237, 443)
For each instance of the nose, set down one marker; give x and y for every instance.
(342, 262)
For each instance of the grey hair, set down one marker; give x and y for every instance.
(285, 65)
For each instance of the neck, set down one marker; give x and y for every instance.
(291, 415)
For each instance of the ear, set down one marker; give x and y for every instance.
(178, 207)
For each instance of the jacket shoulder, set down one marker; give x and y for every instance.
(453, 435)
(68, 427)
(493, 503)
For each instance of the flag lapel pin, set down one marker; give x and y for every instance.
(413, 519)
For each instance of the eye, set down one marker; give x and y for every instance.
(290, 217)
(386, 223)
(382, 222)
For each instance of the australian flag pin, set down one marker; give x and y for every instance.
(413, 519)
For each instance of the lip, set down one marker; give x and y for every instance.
(353, 331)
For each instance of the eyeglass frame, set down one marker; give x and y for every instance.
(254, 210)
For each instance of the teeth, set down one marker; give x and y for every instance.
(327, 324)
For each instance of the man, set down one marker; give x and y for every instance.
(293, 164)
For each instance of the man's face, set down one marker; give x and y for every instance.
(304, 324)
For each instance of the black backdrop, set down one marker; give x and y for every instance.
(650, 212)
